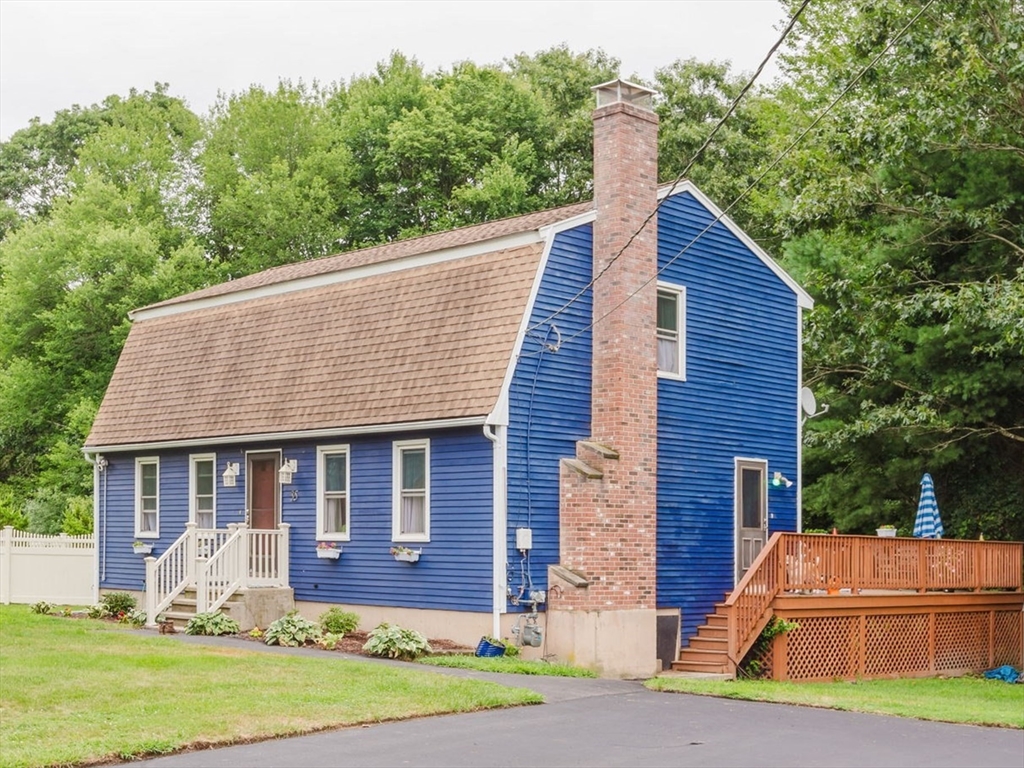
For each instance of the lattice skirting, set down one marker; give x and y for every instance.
(905, 644)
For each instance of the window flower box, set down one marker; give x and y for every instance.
(142, 547)
(406, 555)
(328, 550)
(886, 531)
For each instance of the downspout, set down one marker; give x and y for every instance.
(497, 435)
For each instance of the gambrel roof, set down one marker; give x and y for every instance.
(415, 331)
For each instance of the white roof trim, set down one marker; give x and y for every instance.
(343, 275)
(803, 298)
(571, 223)
(308, 434)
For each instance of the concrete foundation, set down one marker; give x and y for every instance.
(258, 607)
(614, 643)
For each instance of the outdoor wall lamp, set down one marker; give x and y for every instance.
(779, 480)
(230, 474)
(289, 468)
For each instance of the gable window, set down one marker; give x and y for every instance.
(671, 331)
(202, 494)
(332, 506)
(147, 498)
(411, 482)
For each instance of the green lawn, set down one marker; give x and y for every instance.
(77, 690)
(952, 700)
(506, 664)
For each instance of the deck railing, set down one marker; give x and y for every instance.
(217, 563)
(793, 562)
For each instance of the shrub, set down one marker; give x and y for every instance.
(339, 622)
(394, 642)
(215, 623)
(512, 651)
(42, 607)
(118, 603)
(293, 630)
(256, 633)
(329, 641)
(98, 611)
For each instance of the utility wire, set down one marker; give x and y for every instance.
(682, 175)
(758, 180)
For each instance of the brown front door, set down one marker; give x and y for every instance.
(263, 494)
(751, 512)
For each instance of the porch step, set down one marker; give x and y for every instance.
(708, 651)
(702, 667)
(704, 643)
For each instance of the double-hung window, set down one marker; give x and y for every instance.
(147, 497)
(411, 482)
(671, 331)
(202, 496)
(332, 504)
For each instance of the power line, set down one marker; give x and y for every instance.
(758, 180)
(682, 175)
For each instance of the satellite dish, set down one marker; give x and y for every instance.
(807, 401)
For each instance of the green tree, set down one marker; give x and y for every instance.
(904, 213)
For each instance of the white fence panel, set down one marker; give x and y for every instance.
(58, 569)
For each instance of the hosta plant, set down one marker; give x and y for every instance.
(293, 630)
(394, 642)
(215, 623)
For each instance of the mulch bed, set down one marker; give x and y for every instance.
(354, 641)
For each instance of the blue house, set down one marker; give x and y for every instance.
(573, 427)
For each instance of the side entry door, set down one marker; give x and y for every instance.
(751, 512)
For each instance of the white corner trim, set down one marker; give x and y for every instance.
(803, 298)
(342, 275)
(498, 435)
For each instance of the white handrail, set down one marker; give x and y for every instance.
(221, 575)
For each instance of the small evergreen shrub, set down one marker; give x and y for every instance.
(118, 603)
(393, 642)
(293, 630)
(215, 623)
(339, 622)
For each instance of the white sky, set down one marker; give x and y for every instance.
(55, 54)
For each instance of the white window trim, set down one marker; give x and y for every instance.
(680, 293)
(321, 474)
(400, 446)
(193, 511)
(140, 462)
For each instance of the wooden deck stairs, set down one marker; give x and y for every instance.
(708, 651)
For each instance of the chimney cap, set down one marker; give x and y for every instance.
(622, 90)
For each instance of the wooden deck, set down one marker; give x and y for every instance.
(871, 607)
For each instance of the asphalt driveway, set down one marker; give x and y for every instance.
(618, 723)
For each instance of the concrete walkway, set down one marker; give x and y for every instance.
(620, 723)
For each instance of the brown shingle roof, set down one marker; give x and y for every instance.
(424, 343)
(398, 250)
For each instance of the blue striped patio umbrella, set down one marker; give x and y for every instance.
(928, 524)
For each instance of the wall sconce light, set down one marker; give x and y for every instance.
(230, 474)
(102, 464)
(779, 480)
(289, 468)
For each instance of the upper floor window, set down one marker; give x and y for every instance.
(147, 497)
(202, 496)
(411, 482)
(671, 331)
(332, 505)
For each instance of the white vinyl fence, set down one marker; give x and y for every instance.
(58, 569)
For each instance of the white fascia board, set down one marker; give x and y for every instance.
(343, 275)
(499, 416)
(566, 224)
(799, 422)
(803, 298)
(309, 434)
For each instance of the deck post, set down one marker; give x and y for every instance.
(922, 567)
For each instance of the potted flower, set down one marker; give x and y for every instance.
(328, 550)
(142, 547)
(404, 554)
(887, 531)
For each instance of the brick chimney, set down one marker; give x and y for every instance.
(606, 601)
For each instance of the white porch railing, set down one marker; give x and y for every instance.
(217, 563)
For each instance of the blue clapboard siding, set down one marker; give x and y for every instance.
(549, 406)
(454, 572)
(739, 400)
